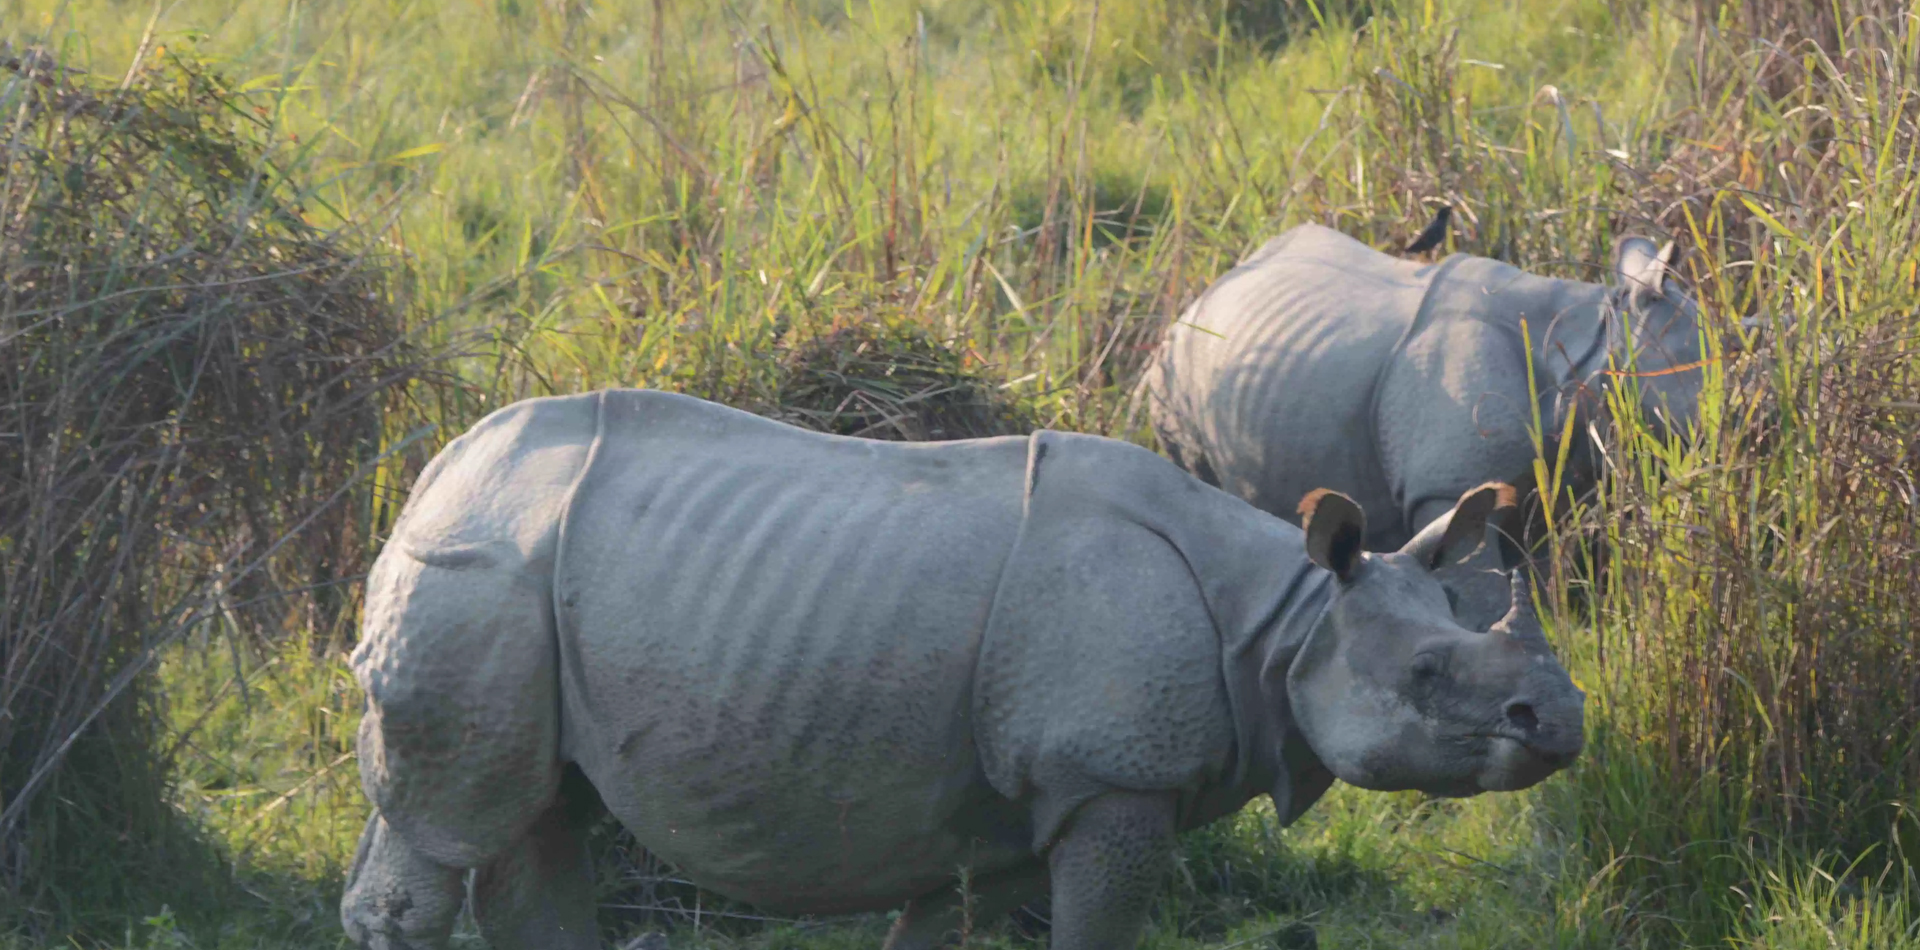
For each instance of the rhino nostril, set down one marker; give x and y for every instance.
(1522, 715)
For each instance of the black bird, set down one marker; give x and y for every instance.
(1435, 232)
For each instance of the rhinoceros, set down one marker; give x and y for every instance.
(1318, 361)
(821, 674)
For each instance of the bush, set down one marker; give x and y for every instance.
(194, 387)
(895, 383)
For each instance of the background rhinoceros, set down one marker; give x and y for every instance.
(1321, 362)
(820, 674)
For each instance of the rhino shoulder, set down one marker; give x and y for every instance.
(1101, 668)
(1099, 671)
(484, 512)
(456, 637)
(481, 521)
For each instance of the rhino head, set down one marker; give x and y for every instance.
(1662, 321)
(1392, 692)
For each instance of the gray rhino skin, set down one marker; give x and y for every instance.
(1321, 362)
(819, 674)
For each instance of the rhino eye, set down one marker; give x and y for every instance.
(1453, 600)
(1426, 666)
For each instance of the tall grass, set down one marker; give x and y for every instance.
(1755, 651)
(847, 213)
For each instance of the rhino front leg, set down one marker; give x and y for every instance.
(1107, 867)
(539, 892)
(397, 898)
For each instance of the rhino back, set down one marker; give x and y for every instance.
(768, 643)
(1273, 382)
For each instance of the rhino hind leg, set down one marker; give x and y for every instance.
(459, 743)
(539, 892)
(396, 897)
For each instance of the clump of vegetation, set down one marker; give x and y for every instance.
(195, 380)
(890, 382)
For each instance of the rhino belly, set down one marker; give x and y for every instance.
(805, 847)
(768, 649)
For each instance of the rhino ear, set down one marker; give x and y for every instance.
(1641, 266)
(1456, 535)
(1335, 526)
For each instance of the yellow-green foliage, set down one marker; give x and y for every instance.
(673, 193)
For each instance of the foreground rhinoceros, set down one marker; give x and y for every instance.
(1321, 362)
(821, 674)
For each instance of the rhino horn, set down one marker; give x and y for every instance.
(1521, 623)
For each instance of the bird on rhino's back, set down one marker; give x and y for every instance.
(820, 673)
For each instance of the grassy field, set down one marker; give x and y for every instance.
(771, 202)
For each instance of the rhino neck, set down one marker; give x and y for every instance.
(1604, 319)
(1271, 755)
(1570, 332)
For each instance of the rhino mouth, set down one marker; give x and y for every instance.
(1548, 746)
(1511, 763)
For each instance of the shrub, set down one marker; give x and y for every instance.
(193, 389)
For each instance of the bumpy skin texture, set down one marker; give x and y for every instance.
(1107, 868)
(820, 674)
(1319, 362)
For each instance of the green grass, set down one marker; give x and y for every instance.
(675, 194)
